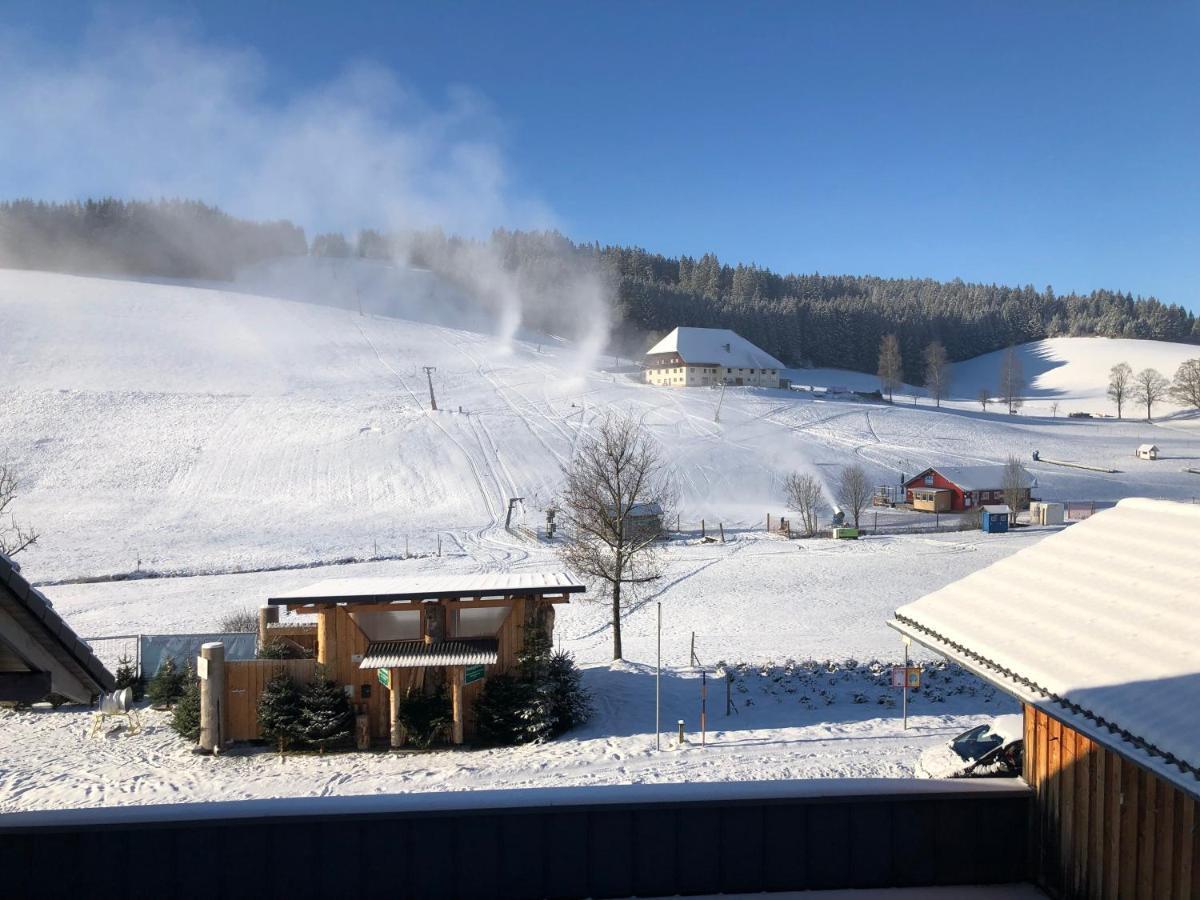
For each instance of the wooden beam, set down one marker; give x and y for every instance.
(39, 658)
(476, 604)
(24, 687)
(455, 673)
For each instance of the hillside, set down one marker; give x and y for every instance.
(195, 429)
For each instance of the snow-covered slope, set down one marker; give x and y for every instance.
(1072, 372)
(195, 429)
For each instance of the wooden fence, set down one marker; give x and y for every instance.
(244, 684)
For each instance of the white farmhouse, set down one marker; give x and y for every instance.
(689, 357)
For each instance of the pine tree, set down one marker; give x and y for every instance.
(279, 711)
(167, 684)
(325, 714)
(569, 699)
(186, 719)
(128, 676)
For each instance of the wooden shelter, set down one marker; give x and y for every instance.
(383, 637)
(1147, 451)
(1096, 630)
(39, 653)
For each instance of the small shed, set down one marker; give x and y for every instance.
(1147, 451)
(932, 499)
(644, 520)
(380, 638)
(994, 519)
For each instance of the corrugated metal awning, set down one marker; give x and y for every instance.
(418, 654)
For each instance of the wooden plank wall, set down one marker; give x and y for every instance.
(352, 642)
(244, 683)
(1102, 826)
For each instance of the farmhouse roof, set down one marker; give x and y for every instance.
(716, 347)
(39, 640)
(975, 478)
(431, 587)
(418, 654)
(1099, 625)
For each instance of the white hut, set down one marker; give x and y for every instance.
(1147, 451)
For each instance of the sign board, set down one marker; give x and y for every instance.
(202, 667)
(385, 677)
(909, 677)
(472, 674)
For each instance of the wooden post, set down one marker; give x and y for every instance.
(397, 732)
(768, 521)
(703, 533)
(721, 525)
(213, 715)
(267, 615)
(327, 649)
(362, 731)
(456, 700)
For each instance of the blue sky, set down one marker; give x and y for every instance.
(1018, 143)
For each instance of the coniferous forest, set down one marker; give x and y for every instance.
(803, 319)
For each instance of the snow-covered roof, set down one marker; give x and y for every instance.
(1000, 509)
(1098, 624)
(715, 346)
(430, 587)
(975, 478)
(1144, 448)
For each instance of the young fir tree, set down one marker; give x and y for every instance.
(325, 714)
(127, 676)
(166, 685)
(279, 712)
(186, 720)
(425, 717)
(499, 709)
(569, 699)
(535, 720)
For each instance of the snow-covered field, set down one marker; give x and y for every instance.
(190, 430)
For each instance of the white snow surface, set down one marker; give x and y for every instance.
(191, 431)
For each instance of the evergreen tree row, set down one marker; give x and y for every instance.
(164, 238)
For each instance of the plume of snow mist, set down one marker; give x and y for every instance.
(154, 110)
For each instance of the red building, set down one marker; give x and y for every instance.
(968, 486)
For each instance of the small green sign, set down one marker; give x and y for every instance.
(385, 677)
(472, 674)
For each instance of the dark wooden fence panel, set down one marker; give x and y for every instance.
(555, 847)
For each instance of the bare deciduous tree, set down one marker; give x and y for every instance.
(937, 372)
(853, 491)
(1014, 483)
(1186, 389)
(804, 495)
(14, 537)
(891, 367)
(616, 471)
(1012, 380)
(1149, 387)
(1054, 410)
(984, 396)
(1119, 377)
